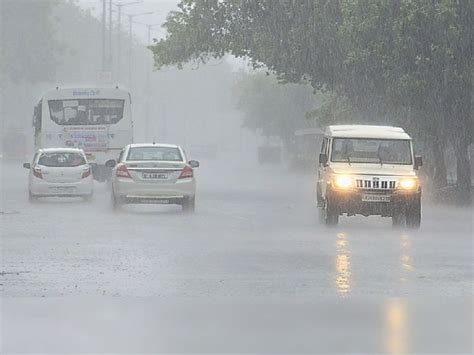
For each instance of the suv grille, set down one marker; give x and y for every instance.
(375, 184)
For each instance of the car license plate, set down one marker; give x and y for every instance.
(376, 198)
(61, 189)
(159, 201)
(155, 176)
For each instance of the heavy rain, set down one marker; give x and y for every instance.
(236, 176)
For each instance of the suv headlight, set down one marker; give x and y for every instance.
(408, 184)
(343, 181)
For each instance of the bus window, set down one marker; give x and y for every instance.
(86, 111)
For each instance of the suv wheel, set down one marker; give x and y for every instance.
(413, 215)
(398, 219)
(329, 214)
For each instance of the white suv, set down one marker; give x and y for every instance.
(153, 173)
(369, 170)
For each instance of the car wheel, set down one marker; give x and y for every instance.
(331, 214)
(116, 201)
(189, 204)
(32, 197)
(413, 215)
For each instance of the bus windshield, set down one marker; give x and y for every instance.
(86, 111)
(358, 150)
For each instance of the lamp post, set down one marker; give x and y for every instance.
(148, 88)
(130, 44)
(119, 34)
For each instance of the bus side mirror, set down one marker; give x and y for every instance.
(27, 165)
(418, 161)
(323, 159)
(110, 163)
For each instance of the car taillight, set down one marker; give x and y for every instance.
(86, 173)
(37, 173)
(122, 171)
(187, 172)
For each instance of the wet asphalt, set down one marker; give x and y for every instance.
(253, 247)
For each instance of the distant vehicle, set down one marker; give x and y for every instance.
(59, 172)
(301, 152)
(97, 120)
(153, 173)
(369, 170)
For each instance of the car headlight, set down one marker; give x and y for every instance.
(407, 184)
(343, 181)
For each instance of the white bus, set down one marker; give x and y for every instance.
(97, 120)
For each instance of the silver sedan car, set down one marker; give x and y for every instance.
(153, 173)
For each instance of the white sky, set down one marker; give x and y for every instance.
(159, 7)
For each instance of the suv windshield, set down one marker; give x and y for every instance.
(154, 153)
(63, 159)
(356, 150)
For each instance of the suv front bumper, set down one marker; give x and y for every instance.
(351, 202)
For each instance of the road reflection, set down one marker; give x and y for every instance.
(396, 322)
(406, 260)
(343, 272)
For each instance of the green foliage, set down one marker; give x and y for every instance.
(272, 108)
(400, 62)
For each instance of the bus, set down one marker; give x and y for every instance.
(97, 120)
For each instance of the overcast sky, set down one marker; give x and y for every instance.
(160, 7)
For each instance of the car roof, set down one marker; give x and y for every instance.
(60, 150)
(150, 145)
(366, 131)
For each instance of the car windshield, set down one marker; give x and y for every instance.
(389, 151)
(63, 159)
(154, 153)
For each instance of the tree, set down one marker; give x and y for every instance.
(395, 61)
(273, 109)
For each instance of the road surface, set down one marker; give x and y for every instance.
(253, 260)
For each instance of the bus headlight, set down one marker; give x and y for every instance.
(408, 184)
(343, 181)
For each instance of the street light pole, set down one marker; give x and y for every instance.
(119, 35)
(110, 36)
(130, 44)
(103, 35)
(148, 87)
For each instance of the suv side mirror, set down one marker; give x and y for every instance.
(323, 158)
(193, 164)
(110, 163)
(27, 165)
(418, 161)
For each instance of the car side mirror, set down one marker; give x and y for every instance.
(193, 164)
(323, 158)
(27, 165)
(418, 161)
(110, 163)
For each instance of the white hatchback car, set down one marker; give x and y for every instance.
(153, 173)
(60, 172)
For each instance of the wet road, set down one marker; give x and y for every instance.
(254, 238)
